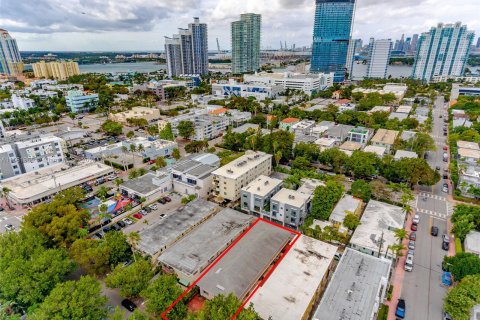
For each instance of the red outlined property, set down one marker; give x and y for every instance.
(270, 242)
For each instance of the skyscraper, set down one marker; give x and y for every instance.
(443, 51)
(246, 35)
(413, 45)
(10, 59)
(354, 47)
(331, 35)
(187, 51)
(478, 43)
(378, 58)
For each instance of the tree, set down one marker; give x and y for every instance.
(160, 162)
(461, 298)
(91, 256)
(29, 270)
(421, 143)
(186, 129)
(152, 130)
(221, 308)
(130, 134)
(301, 163)
(102, 192)
(462, 265)
(401, 234)
(361, 189)
(334, 158)
(325, 198)
(462, 227)
(363, 164)
(309, 151)
(5, 193)
(59, 220)
(166, 133)
(176, 154)
(112, 128)
(133, 238)
(161, 293)
(118, 182)
(132, 279)
(351, 221)
(80, 299)
(119, 247)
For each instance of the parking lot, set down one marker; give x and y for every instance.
(140, 221)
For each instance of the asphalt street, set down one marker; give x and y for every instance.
(422, 289)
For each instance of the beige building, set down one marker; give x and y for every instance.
(384, 138)
(148, 114)
(59, 70)
(232, 177)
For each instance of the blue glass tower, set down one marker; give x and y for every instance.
(331, 35)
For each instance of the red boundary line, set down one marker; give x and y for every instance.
(164, 313)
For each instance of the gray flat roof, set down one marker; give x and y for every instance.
(347, 203)
(352, 291)
(239, 270)
(142, 185)
(193, 253)
(201, 171)
(162, 234)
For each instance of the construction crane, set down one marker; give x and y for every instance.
(218, 46)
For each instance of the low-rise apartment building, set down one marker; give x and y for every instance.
(206, 126)
(308, 83)
(232, 177)
(360, 135)
(149, 114)
(235, 89)
(255, 198)
(80, 102)
(385, 138)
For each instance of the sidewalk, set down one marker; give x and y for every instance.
(399, 274)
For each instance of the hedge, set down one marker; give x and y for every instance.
(117, 165)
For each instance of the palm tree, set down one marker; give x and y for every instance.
(133, 149)
(5, 193)
(118, 182)
(102, 192)
(124, 150)
(401, 234)
(133, 238)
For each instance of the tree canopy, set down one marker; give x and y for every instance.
(186, 129)
(325, 198)
(112, 128)
(461, 298)
(221, 308)
(131, 280)
(161, 293)
(462, 264)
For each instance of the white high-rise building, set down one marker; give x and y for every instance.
(378, 58)
(443, 51)
(187, 51)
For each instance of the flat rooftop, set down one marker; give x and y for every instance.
(144, 184)
(165, 232)
(45, 182)
(468, 145)
(309, 185)
(378, 217)
(352, 291)
(347, 203)
(292, 286)
(468, 153)
(262, 185)
(404, 109)
(245, 127)
(385, 136)
(240, 166)
(351, 146)
(379, 151)
(405, 154)
(240, 269)
(194, 252)
(291, 197)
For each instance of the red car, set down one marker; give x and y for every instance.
(445, 148)
(137, 216)
(413, 227)
(167, 199)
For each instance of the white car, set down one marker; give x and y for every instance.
(416, 219)
(409, 263)
(9, 227)
(153, 207)
(127, 221)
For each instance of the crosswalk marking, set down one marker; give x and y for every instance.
(450, 208)
(433, 213)
(433, 196)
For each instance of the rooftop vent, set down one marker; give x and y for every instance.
(291, 196)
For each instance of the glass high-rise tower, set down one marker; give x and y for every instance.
(187, 51)
(331, 35)
(443, 51)
(246, 43)
(10, 59)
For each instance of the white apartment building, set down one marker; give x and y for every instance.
(256, 196)
(206, 126)
(308, 83)
(22, 103)
(9, 165)
(257, 90)
(40, 152)
(232, 177)
(378, 58)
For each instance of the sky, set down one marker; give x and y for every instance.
(140, 25)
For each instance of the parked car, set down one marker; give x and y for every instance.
(445, 242)
(143, 212)
(128, 304)
(401, 309)
(121, 224)
(137, 216)
(437, 168)
(107, 229)
(162, 201)
(434, 231)
(162, 215)
(409, 263)
(446, 316)
(99, 235)
(146, 210)
(445, 176)
(445, 188)
(445, 246)
(445, 148)
(412, 252)
(416, 219)
(116, 227)
(414, 227)
(168, 199)
(153, 206)
(1, 209)
(9, 227)
(413, 236)
(411, 245)
(445, 238)
(127, 221)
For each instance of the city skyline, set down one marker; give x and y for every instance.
(141, 25)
